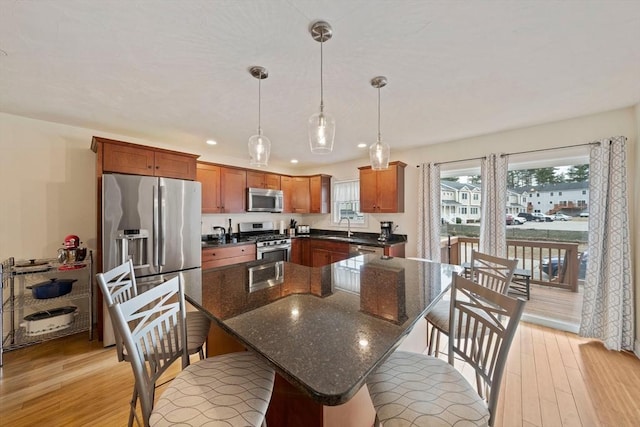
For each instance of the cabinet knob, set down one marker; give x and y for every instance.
(157, 167)
(149, 167)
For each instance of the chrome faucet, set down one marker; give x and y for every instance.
(349, 233)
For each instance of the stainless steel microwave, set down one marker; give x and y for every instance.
(263, 200)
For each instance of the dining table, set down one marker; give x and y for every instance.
(323, 329)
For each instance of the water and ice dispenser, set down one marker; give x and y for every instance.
(132, 245)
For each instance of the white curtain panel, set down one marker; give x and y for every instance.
(493, 229)
(607, 310)
(429, 212)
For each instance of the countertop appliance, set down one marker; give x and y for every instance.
(386, 230)
(156, 223)
(270, 245)
(263, 200)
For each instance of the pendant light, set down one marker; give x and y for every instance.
(259, 145)
(379, 151)
(322, 126)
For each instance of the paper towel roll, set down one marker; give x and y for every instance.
(281, 226)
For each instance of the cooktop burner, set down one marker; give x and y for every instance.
(259, 232)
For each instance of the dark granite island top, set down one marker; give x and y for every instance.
(323, 329)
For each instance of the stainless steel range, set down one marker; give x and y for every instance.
(270, 245)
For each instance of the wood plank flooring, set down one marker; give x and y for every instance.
(558, 305)
(552, 378)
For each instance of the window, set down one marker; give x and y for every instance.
(476, 196)
(584, 192)
(551, 193)
(346, 202)
(474, 211)
(559, 193)
(463, 211)
(464, 196)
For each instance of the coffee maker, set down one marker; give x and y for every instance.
(386, 230)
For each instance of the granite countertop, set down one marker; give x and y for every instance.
(324, 329)
(368, 239)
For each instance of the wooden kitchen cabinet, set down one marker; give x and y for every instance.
(300, 251)
(233, 190)
(227, 255)
(123, 157)
(223, 189)
(300, 198)
(322, 252)
(320, 194)
(382, 191)
(209, 176)
(286, 185)
(269, 181)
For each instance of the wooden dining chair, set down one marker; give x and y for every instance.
(492, 272)
(119, 285)
(233, 389)
(413, 389)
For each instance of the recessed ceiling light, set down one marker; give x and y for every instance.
(211, 142)
(294, 160)
(362, 145)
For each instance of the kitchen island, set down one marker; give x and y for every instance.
(324, 329)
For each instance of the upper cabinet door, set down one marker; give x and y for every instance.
(269, 181)
(233, 190)
(382, 191)
(123, 157)
(172, 165)
(300, 199)
(320, 189)
(209, 177)
(391, 190)
(255, 179)
(286, 183)
(368, 190)
(128, 159)
(272, 181)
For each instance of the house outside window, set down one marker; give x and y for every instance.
(346, 202)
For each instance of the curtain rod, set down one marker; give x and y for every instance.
(551, 149)
(519, 152)
(456, 161)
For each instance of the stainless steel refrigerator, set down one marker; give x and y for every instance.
(155, 222)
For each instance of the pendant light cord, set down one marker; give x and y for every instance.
(321, 81)
(378, 115)
(259, 103)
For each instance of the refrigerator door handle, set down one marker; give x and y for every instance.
(163, 225)
(156, 221)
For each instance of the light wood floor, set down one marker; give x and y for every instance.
(559, 305)
(553, 379)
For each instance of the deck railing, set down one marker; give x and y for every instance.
(457, 250)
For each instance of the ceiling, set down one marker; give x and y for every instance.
(177, 71)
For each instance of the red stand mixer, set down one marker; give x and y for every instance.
(71, 252)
